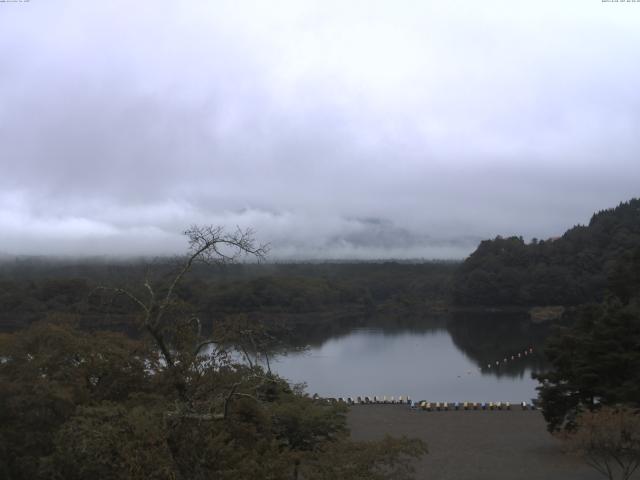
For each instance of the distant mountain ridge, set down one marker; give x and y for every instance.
(576, 268)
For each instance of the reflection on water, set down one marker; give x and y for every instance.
(438, 359)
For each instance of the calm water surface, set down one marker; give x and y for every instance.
(443, 363)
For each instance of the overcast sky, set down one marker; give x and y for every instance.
(341, 129)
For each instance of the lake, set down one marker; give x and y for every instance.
(437, 359)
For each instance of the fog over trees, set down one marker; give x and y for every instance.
(433, 186)
(335, 131)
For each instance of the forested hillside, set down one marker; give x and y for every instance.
(573, 269)
(32, 289)
(176, 402)
(594, 354)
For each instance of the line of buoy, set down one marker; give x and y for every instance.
(528, 351)
(373, 400)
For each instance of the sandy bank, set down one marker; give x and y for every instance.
(474, 445)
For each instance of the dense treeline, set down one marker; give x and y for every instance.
(595, 353)
(174, 403)
(32, 289)
(75, 405)
(571, 270)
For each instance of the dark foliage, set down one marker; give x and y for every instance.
(75, 405)
(596, 362)
(596, 356)
(32, 289)
(570, 270)
(173, 404)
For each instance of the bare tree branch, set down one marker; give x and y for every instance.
(207, 244)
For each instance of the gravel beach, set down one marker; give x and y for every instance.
(474, 445)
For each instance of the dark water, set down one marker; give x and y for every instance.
(438, 359)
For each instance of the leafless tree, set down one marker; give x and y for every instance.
(157, 303)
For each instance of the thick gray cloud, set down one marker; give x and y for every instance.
(335, 129)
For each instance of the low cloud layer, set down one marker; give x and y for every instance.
(358, 130)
